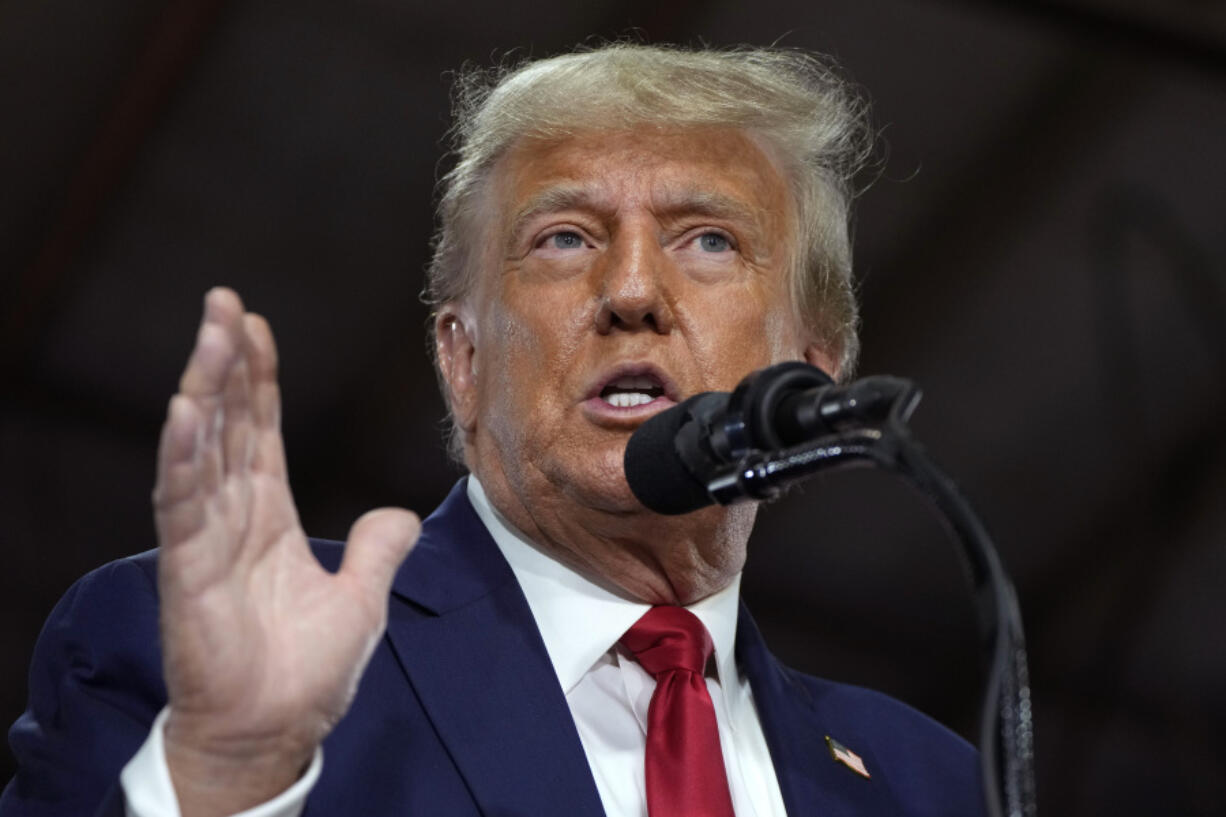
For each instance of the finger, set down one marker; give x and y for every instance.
(208, 370)
(268, 455)
(377, 545)
(178, 501)
(236, 425)
(217, 345)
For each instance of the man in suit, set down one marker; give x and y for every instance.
(623, 228)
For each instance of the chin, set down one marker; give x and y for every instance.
(598, 480)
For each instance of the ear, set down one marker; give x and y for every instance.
(455, 345)
(819, 356)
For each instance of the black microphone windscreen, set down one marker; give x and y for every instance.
(655, 471)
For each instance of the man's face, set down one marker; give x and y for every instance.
(626, 272)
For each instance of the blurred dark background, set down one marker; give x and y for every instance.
(1044, 251)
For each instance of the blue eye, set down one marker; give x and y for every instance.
(567, 240)
(714, 242)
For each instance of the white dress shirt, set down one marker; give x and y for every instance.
(606, 689)
(609, 693)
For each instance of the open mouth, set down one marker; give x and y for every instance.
(632, 390)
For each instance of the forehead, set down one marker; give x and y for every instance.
(649, 166)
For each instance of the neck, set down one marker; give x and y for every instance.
(617, 543)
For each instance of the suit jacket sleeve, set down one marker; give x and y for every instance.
(95, 688)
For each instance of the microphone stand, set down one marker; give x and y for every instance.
(880, 436)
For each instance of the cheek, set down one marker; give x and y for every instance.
(744, 330)
(776, 329)
(785, 340)
(511, 358)
(533, 337)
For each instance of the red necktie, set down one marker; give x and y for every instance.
(685, 768)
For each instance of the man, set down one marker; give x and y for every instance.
(624, 228)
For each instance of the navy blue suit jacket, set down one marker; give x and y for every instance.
(459, 713)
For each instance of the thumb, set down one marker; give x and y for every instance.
(378, 543)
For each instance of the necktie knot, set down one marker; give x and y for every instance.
(683, 764)
(667, 639)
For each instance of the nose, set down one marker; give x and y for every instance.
(631, 286)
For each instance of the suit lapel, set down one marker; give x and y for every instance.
(811, 781)
(467, 641)
(465, 637)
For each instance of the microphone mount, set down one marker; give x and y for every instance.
(758, 450)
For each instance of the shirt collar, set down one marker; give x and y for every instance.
(580, 620)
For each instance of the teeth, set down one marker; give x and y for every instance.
(628, 399)
(632, 390)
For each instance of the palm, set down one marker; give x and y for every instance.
(263, 648)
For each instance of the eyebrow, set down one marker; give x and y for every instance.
(686, 201)
(552, 200)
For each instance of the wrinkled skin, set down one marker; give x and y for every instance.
(656, 254)
(657, 250)
(262, 647)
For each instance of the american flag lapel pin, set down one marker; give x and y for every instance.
(847, 757)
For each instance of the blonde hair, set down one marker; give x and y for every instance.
(796, 103)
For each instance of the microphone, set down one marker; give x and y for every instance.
(672, 458)
(788, 421)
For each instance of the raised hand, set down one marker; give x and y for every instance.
(263, 648)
